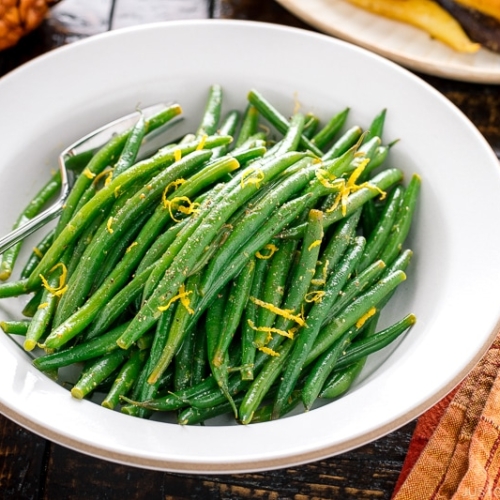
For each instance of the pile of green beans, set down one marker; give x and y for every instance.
(240, 269)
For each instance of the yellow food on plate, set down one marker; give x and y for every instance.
(488, 7)
(426, 15)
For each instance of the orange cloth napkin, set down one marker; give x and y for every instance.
(455, 449)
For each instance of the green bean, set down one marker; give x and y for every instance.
(37, 254)
(212, 113)
(108, 234)
(353, 313)
(249, 125)
(403, 221)
(277, 119)
(228, 127)
(178, 329)
(156, 248)
(337, 244)
(192, 415)
(264, 412)
(130, 150)
(97, 372)
(31, 307)
(14, 288)
(125, 380)
(328, 132)
(369, 217)
(187, 257)
(142, 390)
(200, 357)
(91, 209)
(274, 289)
(367, 149)
(291, 139)
(381, 182)
(176, 400)
(9, 257)
(250, 317)
(364, 347)
(223, 203)
(264, 380)
(379, 156)
(310, 331)
(253, 219)
(302, 275)
(123, 246)
(82, 352)
(357, 285)
(88, 311)
(323, 367)
(215, 317)
(183, 361)
(104, 157)
(344, 143)
(234, 385)
(340, 382)
(311, 125)
(378, 236)
(103, 316)
(376, 127)
(282, 217)
(236, 302)
(44, 314)
(15, 327)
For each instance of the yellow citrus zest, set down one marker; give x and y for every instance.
(296, 103)
(185, 300)
(105, 173)
(314, 244)
(351, 187)
(272, 250)
(87, 173)
(182, 296)
(322, 280)
(316, 296)
(361, 321)
(177, 154)
(43, 305)
(174, 204)
(108, 225)
(286, 313)
(62, 287)
(201, 145)
(267, 350)
(326, 179)
(37, 252)
(132, 245)
(270, 330)
(252, 175)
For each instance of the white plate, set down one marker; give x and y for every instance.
(453, 282)
(397, 41)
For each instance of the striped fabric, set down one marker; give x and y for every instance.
(455, 450)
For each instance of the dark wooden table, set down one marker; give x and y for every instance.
(34, 468)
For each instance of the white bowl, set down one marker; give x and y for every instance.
(453, 281)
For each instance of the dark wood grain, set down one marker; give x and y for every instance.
(33, 468)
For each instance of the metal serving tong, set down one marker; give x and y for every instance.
(90, 143)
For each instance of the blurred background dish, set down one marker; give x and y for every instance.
(400, 42)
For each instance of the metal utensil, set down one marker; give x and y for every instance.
(90, 142)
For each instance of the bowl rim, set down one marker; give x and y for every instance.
(273, 460)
